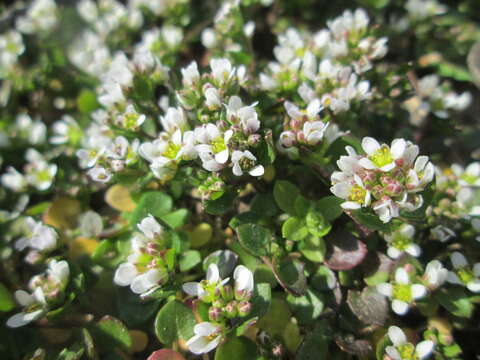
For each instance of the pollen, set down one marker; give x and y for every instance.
(382, 156)
(218, 145)
(357, 194)
(402, 292)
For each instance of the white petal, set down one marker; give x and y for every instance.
(23, 298)
(398, 148)
(213, 274)
(257, 171)
(424, 348)
(396, 335)
(385, 289)
(243, 279)
(458, 260)
(474, 286)
(125, 274)
(401, 276)
(453, 278)
(399, 307)
(393, 353)
(476, 269)
(204, 329)
(370, 145)
(22, 319)
(146, 281)
(418, 291)
(394, 253)
(191, 288)
(414, 250)
(222, 156)
(367, 164)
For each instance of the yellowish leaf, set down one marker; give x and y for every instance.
(118, 197)
(82, 245)
(139, 340)
(63, 213)
(200, 235)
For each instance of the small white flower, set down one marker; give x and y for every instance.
(39, 236)
(353, 191)
(435, 274)
(401, 241)
(14, 180)
(205, 289)
(381, 157)
(401, 292)
(243, 282)
(470, 176)
(207, 337)
(442, 233)
(222, 70)
(403, 350)
(190, 74)
(209, 39)
(35, 305)
(130, 119)
(150, 227)
(463, 274)
(174, 119)
(246, 160)
(213, 99)
(66, 130)
(99, 174)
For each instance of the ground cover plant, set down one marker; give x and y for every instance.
(239, 179)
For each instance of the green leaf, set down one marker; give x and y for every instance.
(315, 343)
(154, 203)
(6, 300)
(276, 318)
(74, 352)
(313, 248)
(294, 229)
(381, 346)
(109, 333)
(285, 194)
(293, 275)
(371, 221)
(306, 308)
(132, 309)
(254, 238)
(324, 279)
(237, 348)
(176, 218)
(264, 205)
(174, 321)
(262, 297)
(222, 204)
(456, 301)
(369, 306)
(87, 101)
(302, 206)
(189, 259)
(330, 207)
(316, 224)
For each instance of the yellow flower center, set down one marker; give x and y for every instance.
(402, 292)
(357, 194)
(465, 275)
(172, 150)
(400, 242)
(382, 156)
(407, 352)
(218, 145)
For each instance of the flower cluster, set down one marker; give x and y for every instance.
(146, 268)
(226, 304)
(401, 349)
(386, 178)
(46, 290)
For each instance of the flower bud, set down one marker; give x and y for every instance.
(278, 350)
(227, 293)
(152, 248)
(231, 309)
(244, 308)
(215, 313)
(254, 139)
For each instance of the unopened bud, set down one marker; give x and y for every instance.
(244, 308)
(118, 165)
(278, 350)
(227, 293)
(215, 313)
(254, 139)
(231, 309)
(152, 248)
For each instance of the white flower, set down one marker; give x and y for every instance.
(205, 289)
(99, 174)
(246, 114)
(39, 236)
(381, 157)
(386, 209)
(213, 99)
(174, 119)
(463, 274)
(66, 130)
(130, 119)
(402, 293)
(41, 15)
(353, 191)
(243, 282)
(207, 337)
(35, 305)
(172, 35)
(401, 241)
(435, 274)
(246, 160)
(213, 146)
(209, 38)
(14, 180)
(150, 227)
(442, 233)
(11, 47)
(403, 350)
(190, 74)
(222, 70)
(470, 176)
